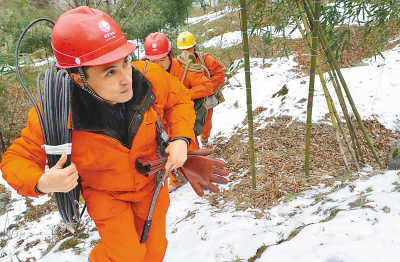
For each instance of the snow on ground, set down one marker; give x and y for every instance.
(374, 87)
(352, 222)
(44, 231)
(139, 52)
(235, 38)
(366, 215)
(211, 16)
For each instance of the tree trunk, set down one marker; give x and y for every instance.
(245, 45)
(314, 54)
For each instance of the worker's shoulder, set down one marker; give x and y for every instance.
(203, 54)
(158, 77)
(207, 58)
(147, 67)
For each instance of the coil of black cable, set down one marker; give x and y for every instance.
(53, 96)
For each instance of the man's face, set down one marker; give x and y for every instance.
(190, 50)
(163, 62)
(113, 81)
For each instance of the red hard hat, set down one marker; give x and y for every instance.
(156, 46)
(88, 37)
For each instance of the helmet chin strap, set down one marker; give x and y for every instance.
(86, 88)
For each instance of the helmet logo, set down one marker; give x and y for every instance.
(184, 39)
(154, 46)
(77, 61)
(104, 26)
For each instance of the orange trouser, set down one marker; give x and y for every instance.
(120, 217)
(208, 124)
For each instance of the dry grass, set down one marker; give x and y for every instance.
(196, 10)
(229, 23)
(279, 150)
(18, 104)
(34, 213)
(5, 200)
(357, 50)
(70, 240)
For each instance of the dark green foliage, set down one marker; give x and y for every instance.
(138, 18)
(372, 15)
(337, 18)
(15, 15)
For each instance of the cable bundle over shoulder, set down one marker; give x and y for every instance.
(189, 61)
(53, 117)
(55, 109)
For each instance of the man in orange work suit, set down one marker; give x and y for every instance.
(187, 42)
(158, 50)
(114, 110)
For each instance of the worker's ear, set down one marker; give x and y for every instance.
(77, 78)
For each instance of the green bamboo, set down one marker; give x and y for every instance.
(329, 55)
(336, 85)
(335, 119)
(245, 45)
(314, 50)
(353, 107)
(354, 139)
(347, 143)
(328, 98)
(353, 152)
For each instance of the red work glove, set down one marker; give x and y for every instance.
(202, 171)
(150, 167)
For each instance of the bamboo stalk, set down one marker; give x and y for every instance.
(344, 137)
(336, 85)
(331, 106)
(314, 51)
(245, 46)
(352, 150)
(356, 148)
(329, 55)
(354, 108)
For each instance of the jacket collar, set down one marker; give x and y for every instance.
(86, 111)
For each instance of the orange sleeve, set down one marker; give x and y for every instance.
(24, 161)
(216, 71)
(199, 85)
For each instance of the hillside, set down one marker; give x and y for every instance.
(333, 217)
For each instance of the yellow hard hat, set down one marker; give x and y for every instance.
(185, 40)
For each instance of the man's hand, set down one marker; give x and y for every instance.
(177, 154)
(59, 179)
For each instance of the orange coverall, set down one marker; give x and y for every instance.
(199, 86)
(196, 82)
(217, 78)
(116, 194)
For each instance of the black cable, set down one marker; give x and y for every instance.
(55, 105)
(19, 73)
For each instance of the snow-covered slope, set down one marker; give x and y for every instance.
(349, 222)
